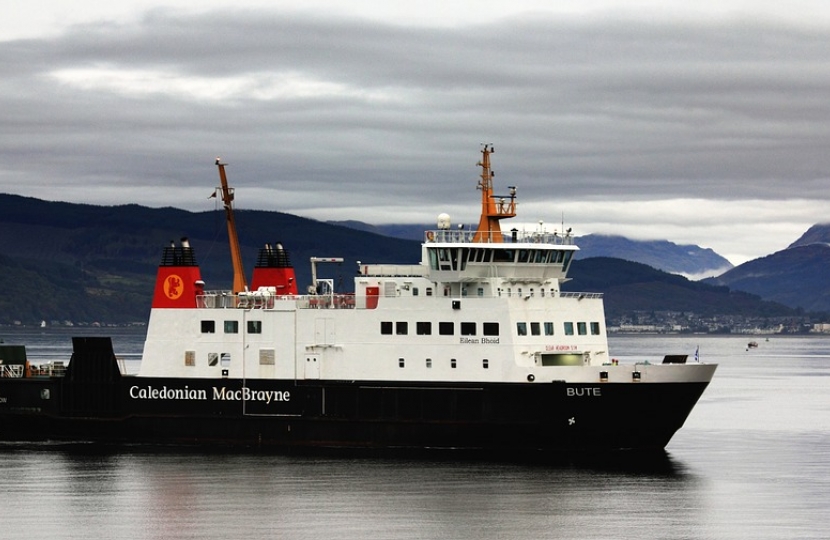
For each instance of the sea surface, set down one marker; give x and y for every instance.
(752, 462)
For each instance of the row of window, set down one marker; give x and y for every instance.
(445, 328)
(231, 327)
(267, 357)
(449, 258)
(536, 328)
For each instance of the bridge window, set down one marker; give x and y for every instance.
(423, 328)
(231, 327)
(254, 327)
(569, 328)
(581, 329)
(386, 327)
(548, 328)
(401, 328)
(468, 328)
(446, 328)
(208, 327)
(566, 261)
(521, 328)
(594, 328)
(535, 329)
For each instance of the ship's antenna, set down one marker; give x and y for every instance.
(226, 193)
(493, 207)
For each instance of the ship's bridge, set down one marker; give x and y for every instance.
(539, 256)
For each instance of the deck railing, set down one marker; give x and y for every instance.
(511, 237)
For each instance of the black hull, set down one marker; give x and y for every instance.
(94, 402)
(494, 416)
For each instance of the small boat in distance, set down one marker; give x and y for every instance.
(475, 348)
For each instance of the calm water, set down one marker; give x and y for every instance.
(753, 461)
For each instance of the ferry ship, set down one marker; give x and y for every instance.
(475, 348)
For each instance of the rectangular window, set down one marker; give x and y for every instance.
(594, 328)
(415, 291)
(267, 357)
(490, 329)
(535, 329)
(446, 328)
(548, 328)
(521, 328)
(386, 327)
(231, 327)
(485, 363)
(480, 291)
(453, 363)
(401, 362)
(190, 358)
(429, 362)
(423, 328)
(581, 329)
(208, 327)
(254, 327)
(468, 329)
(429, 291)
(213, 359)
(401, 328)
(569, 328)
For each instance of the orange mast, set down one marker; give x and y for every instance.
(489, 229)
(239, 283)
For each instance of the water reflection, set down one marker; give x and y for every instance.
(148, 493)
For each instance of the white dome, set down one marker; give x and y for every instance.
(444, 221)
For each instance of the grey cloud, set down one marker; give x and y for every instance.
(578, 109)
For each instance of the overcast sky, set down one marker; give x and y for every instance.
(701, 123)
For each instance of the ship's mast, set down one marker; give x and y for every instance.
(492, 210)
(226, 193)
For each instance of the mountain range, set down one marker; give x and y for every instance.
(796, 276)
(84, 263)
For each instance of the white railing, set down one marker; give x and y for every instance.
(467, 236)
(14, 371)
(245, 300)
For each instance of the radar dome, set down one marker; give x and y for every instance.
(444, 221)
